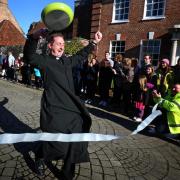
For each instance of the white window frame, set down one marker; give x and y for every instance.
(114, 14)
(110, 47)
(153, 17)
(141, 54)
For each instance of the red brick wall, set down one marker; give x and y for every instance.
(136, 29)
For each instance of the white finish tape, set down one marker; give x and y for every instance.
(9, 138)
(76, 137)
(148, 120)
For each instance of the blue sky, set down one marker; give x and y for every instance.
(28, 11)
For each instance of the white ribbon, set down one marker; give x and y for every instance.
(9, 138)
(76, 137)
(148, 120)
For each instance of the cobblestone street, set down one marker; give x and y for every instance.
(138, 157)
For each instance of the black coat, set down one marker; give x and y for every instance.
(61, 110)
(118, 78)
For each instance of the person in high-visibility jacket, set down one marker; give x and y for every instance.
(172, 104)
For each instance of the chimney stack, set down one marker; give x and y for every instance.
(3, 2)
(6, 14)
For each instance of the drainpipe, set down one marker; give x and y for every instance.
(174, 50)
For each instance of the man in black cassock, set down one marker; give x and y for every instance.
(61, 109)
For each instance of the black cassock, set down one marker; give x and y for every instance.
(61, 110)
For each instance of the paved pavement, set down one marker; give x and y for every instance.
(139, 157)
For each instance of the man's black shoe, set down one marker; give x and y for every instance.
(40, 166)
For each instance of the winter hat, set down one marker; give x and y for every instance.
(165, 61)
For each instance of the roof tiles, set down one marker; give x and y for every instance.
(10, 35)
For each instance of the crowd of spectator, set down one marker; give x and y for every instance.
(133, 88)
(15, 70)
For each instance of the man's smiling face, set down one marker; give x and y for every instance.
(57, 46)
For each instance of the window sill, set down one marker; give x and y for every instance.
(120, 22)
(153, 18)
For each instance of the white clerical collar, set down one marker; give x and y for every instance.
(57, 58)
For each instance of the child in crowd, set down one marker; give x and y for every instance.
(38, 78)
(140, 95)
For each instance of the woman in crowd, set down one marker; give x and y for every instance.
(165, 77)
(165, 82)
(118, 76)
(91, 74)
(152, 84)
(127, 84)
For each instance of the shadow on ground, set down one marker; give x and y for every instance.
(9, 123)
(114, 118)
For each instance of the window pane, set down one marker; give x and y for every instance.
(121, 17)
(160, 5)
(117, 6)
(122, 5)
(118, 43)
(117, 12)
(150, 43)
(123, 43)
(160, 12)
(112, 55)
(151, 47)
(117, 47)
(155, 7)
(126, 16)
(149, 7)
(126, 10)
(117, 1)
(148, 13)
(156, 50)
(127, 4)
(155, 12)
(121, 9)
(149, 1)
(113, 49)
(122, 49)
(156, 43)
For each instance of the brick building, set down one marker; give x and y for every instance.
(136, 27)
